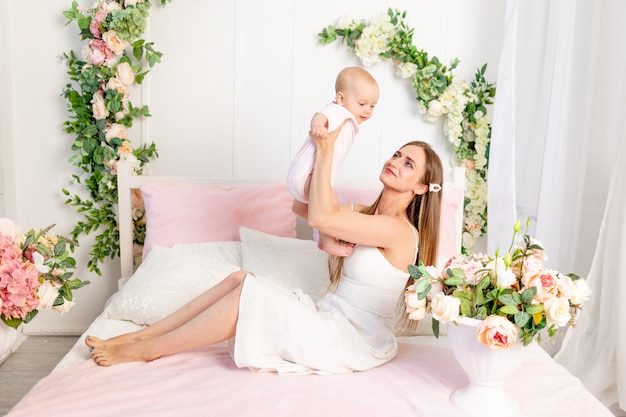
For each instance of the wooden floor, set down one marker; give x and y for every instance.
(33, 360)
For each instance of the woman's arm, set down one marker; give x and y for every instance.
(325, 214)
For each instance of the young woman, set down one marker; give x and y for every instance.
(272, 328)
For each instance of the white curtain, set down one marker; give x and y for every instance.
(594, 350)
(542, 119)
(554, 95)
(501, 174)
(557, 53)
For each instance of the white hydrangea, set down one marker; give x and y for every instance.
(374, 40)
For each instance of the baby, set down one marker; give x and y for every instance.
(356, 94)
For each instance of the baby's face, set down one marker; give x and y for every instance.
(360, 100)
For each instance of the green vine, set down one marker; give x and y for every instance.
(462, 105)
(101, 113)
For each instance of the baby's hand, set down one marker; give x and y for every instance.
(318, 132)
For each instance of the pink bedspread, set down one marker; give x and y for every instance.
(417, 382)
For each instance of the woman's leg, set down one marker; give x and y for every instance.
(215, 324)
(182, 315)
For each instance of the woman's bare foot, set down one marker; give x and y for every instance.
(121, 339)
(108, 352)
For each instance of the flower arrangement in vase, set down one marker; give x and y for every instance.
(35, 273)
(512, 294)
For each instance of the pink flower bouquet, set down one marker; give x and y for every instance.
(34, 273)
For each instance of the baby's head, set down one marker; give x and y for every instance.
(357, 91)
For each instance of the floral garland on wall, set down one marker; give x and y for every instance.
(462, 105)
(101, 114)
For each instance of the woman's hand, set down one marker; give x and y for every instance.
(329, 141)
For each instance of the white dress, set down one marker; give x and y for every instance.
(351, 329)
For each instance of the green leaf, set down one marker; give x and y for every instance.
(521, 319)
(508, 300)
(484, 282)
(533, 308)
(529, 294)
(12, 322)
(509, 309)
(422, 288)
(435, 327)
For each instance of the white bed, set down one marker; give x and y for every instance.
(205, 382)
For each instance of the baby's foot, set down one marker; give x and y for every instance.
(336, 247)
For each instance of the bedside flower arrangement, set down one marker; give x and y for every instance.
(513, 295)
(35, 273)
(461, 105)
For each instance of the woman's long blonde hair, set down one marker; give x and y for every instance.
(424, 211)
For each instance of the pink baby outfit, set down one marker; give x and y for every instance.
(302, 164)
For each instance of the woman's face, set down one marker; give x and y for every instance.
(405, 170)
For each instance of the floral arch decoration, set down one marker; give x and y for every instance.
(114, 57)
(462, 105)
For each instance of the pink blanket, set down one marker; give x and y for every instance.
(417, 382)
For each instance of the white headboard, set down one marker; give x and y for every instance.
(126, 182)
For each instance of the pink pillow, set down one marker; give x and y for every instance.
(450, 201)
(186, 214)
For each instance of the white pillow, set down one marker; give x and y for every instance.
(168, 278)
(291, 262)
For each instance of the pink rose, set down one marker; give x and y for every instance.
(497, 332)
(97, 52)
(546, 283)
(94, 26)
(468, 265)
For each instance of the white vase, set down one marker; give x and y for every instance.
(487, 370)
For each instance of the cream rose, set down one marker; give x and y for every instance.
(566, 286)
(406, 69)
(124, 73)
(116, 130)
(116, 44)
(435, 109)
(115, 84)
(125, 147)
(497, 332)
(98, 106)
(65, 307)
(415, 307)
(47, 294)
(557, 311)
(445, 307)
(582, 292)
